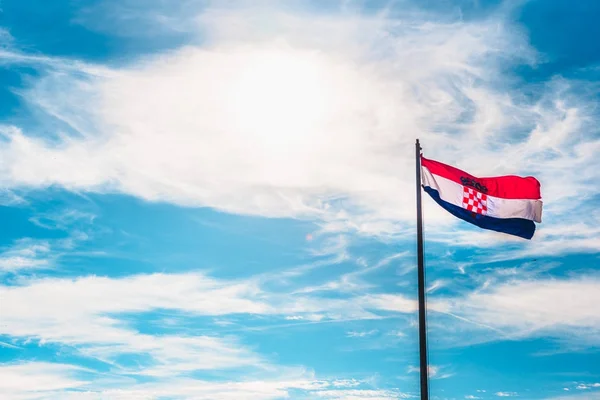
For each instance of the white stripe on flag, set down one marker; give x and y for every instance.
(452, 192)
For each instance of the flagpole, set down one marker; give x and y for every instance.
(421, 274)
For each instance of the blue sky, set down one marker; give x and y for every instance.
(215, 200)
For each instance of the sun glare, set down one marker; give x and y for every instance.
(280, 97)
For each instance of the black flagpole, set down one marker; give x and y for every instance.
(421, 273)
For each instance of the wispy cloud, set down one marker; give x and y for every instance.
(77, 313)
(311, 115)
(64, 219)
(35, 379)
(362, 394)
(579, 396)
(45, 309)
(570, 235)
(26, 254)
(29, 380)
(586, 386)
(361, 334)
(352, 282)
(10, 198)
(559, 308)
(416, 73)
(435, 371)
(37, 254)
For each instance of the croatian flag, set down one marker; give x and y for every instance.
(508, 204)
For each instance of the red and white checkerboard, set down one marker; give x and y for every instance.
(474, 201)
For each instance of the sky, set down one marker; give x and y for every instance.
(216, 199)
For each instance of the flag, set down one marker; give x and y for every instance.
(508, 204)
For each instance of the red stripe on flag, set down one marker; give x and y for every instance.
(507, 187)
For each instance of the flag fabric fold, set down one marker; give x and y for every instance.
(508, 204)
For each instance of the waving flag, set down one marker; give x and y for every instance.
(508, 204)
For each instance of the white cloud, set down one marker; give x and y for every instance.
(435, 371)
(64, 219)
(435, 285)
(299, 118)
(346, 383)
(203, 390)
(28, 380)
(560, 308)
(586, 386)
(133, 19)
(361, 334)
(399, 303)
(307, 116)
(34, 380)
(38, 254)
(584, 396)
(397, 333)
(86, 314)
(569, 233)
(79, 313)
(10, 199)
(14, 263)
(361, 394)
(352, 282)
(26, 254)
(138, 293)
(506, 394)
(190, 292)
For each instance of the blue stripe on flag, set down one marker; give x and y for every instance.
(513, 226)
